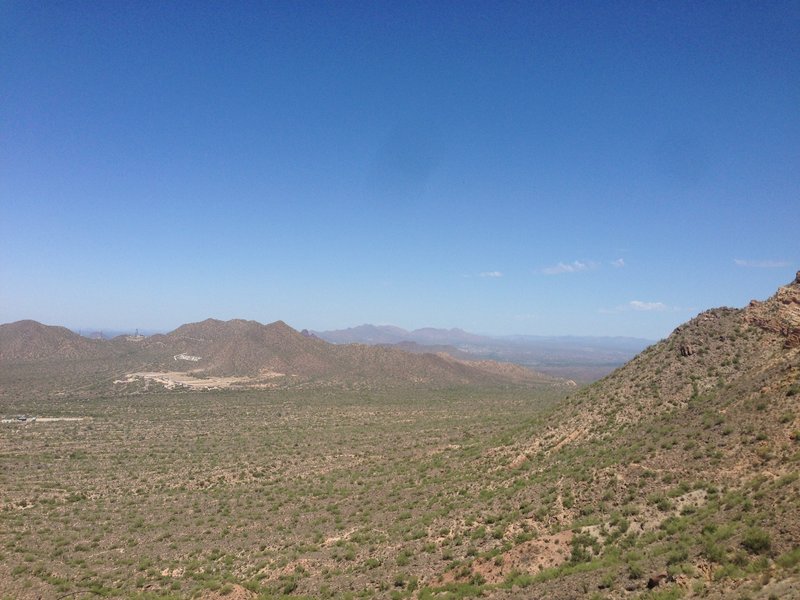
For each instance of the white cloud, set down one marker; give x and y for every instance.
(619, 263)
(761, 264)
(573, 267)
(639, 305)
(490, 274)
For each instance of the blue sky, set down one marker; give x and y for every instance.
(591, 168)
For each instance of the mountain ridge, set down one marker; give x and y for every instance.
(249, 352)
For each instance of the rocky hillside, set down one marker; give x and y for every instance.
(681, 470)
(751, 352)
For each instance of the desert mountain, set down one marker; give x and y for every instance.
(247, 353)
(248, 348)
(737, 354)
(30, 340)
(683, 466)
(245, 348)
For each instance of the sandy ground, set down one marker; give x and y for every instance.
(177, 379)
(42, 419)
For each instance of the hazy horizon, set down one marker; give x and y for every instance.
(513, 168)
(89, 330)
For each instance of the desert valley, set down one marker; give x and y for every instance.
(240, 460)
(399, 300)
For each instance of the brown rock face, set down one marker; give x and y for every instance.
(780, 314)
(657, 580)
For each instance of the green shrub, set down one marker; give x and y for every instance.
(713, 551)
(226, 589)
(756, 541)
(789, 559)
(635, 570)
(729, 571)
(677, 556)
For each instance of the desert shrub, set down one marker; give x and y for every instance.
(756, 540)
(584, 546)
(713, 551)
(729, 571)
(677, 556)
(635, 570)
(789, 559)
(673, 525)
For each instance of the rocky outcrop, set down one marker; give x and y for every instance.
(780, 314)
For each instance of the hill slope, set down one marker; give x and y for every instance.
(30, 340)
(682, 467)
(724, 352)
(248, 348)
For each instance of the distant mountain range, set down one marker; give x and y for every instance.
(243, 348)
(252, 354)
(389, 334)
(581, 358)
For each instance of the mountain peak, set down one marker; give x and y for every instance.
(280, 325)
(31, 340)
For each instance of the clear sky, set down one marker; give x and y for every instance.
(593, 168)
